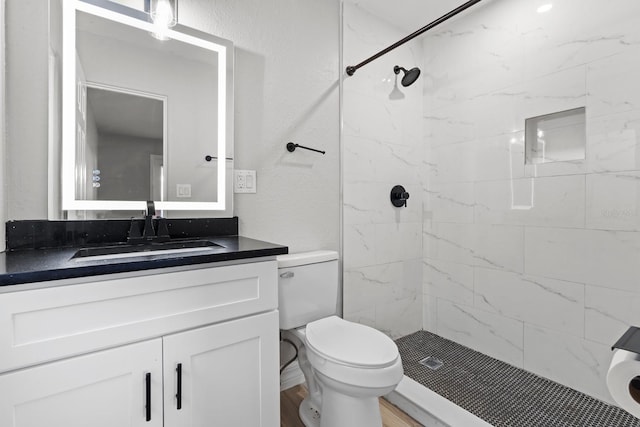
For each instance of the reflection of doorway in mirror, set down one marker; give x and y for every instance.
(81, 169)
(81, 137)
(128, 130)
(111, 42)
(157, 183)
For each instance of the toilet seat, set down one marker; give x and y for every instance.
(353, 354)
(350, 344)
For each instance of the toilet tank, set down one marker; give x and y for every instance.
(307, 287)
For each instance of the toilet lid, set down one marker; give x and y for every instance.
(350, 343)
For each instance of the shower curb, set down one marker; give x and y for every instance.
(421, 404)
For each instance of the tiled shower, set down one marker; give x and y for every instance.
(537, 265)
(383, 146)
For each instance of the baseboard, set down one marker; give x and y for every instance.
(291, 376)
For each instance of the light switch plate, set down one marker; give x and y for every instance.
(244, 181)
(183, 190)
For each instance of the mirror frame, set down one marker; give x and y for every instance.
(140, 20)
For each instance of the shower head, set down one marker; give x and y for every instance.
(410, 76)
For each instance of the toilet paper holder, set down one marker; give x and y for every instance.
(623, 381)
(630, 341)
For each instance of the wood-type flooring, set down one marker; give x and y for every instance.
(290, 401)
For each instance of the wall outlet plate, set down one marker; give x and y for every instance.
(244, 181)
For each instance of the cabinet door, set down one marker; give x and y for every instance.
(229, 374)
(102, 389)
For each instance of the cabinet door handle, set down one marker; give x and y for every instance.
(179, 388)
(147, 380)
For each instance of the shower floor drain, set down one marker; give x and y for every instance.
(432, 363)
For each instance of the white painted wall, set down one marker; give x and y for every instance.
(286, 89)
(383, 146)
(27, 108)
(3, 156)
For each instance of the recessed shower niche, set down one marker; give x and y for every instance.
(555, 137)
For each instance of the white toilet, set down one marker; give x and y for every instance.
(347, 366)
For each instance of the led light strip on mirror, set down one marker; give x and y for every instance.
(68, 150)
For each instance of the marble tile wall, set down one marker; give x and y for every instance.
(537, 265)
(383, 146)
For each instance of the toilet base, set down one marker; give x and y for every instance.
(341, 410)
(333, 403)
(309, 415)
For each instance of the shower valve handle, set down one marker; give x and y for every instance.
(399, 196)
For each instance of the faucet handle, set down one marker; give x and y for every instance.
(149, 232)
(399, 196)
(162, 233)
(134, 230)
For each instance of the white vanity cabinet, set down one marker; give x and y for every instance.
(222, 374)
(199, 344)
(101, 389)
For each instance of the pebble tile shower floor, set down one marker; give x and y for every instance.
(499, 393)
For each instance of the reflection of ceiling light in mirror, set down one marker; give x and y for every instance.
(545, 8)
(164, 14)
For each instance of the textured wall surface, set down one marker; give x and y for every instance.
(3, 156)
(26, 105)
(286, 82)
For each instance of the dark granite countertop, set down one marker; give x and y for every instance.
(38, 265)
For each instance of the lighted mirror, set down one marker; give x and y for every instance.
(142, 119)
